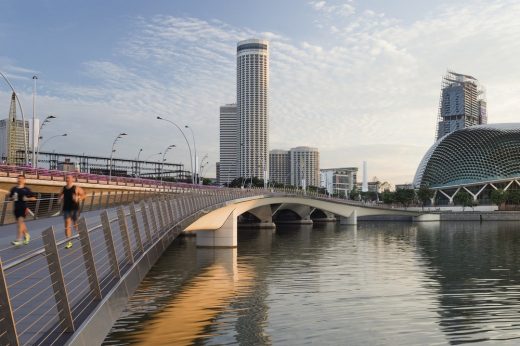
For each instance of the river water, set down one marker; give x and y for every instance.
(380, 283)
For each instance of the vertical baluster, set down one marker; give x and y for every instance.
(109, 241)
(7, 323)
(86, 246)
(58, 282)
(146, 222)
(123, 228)
(135, 225)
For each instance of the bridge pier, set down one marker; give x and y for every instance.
(225, 236)
(351, 220)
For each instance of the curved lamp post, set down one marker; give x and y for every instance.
(23, 117)
(164, 158)
(34, 139)
(119, 136)
(45, 121)
(195, 149)
(48, 139)
(188, 143)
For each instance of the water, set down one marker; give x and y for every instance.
(375, 284)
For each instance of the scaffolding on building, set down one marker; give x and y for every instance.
(474, 111)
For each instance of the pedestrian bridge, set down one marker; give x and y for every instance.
(53, 296)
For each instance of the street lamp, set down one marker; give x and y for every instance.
(23, 117)
(119, 136)
(34, 139)
(164, 158)
(188, 143)
(45, 121)
(137, 165)
(48, 139)
(195, 149)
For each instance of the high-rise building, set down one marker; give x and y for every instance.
(252, 107)
(305, 166)
(229, 144)
(279, 166)
(339, 181)
(462, 104)
(13, 138)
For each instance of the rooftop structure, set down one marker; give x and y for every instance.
(462, 104)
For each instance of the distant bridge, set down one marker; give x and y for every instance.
(50, 295)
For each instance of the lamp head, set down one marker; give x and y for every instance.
(51, 117)
(64, 135)
(158, 117)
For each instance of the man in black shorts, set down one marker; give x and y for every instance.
(20, 194)
(71, 196)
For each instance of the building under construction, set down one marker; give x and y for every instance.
(462, 103)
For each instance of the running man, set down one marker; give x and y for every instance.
(71, 196)
(20, 194)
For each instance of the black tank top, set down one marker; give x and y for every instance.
(68, 198)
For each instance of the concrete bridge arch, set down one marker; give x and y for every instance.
(217, 227)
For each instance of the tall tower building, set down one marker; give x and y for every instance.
(462, 103)
(305, 166)
(252, 107)
(279, 166)
(13, 138)
(229, 143)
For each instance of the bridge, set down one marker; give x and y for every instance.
(53, 296)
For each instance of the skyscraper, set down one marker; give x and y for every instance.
(252, 107)
(279, 166)
(229, 143)
(12, 135)
(305, 166)
(462, 103)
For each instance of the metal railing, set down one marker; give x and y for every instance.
(45, 295)
(48, 204)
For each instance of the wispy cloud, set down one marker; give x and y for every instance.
(367, 92)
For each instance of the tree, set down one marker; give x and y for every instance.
(463, 198)
(404, 196)
(354, 194)
(514, 197)
(425, 194)
(498, 197)
(388, 197)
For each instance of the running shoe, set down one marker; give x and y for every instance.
(27, 239)
(17, 242)
(69, 245)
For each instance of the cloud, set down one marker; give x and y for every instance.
(368, 90)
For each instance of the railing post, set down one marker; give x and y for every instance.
(162, 214)
(107, 204)
(145, 221)
(154, 219)
(170, 210)
(51, 201)
(7, 323)
(92, 200)
(4, 209)
(100, 201)
(135, 226)
(90, 265)
(37, 206)
(109, 240)
(123, 228)
(58, 282)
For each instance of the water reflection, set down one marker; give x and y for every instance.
(378, 283)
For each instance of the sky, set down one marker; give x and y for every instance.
(360, 80)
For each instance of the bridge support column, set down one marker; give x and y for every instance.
(225, 236)
(351, 220)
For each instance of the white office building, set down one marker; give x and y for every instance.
(252, 107)
(229, 144)
(339, 181)
(279, 166)
(305, 166)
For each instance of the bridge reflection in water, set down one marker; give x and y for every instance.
(188, 310)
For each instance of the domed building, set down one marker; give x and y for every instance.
(472, 156)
